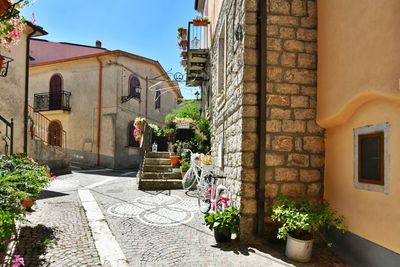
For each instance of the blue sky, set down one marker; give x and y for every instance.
(144, 27)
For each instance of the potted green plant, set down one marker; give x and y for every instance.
(169, 133)
(182, 33)
(301, 222)
(184, 168)
(224, 222)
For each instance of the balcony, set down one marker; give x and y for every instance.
(52, 101)
(197, 53)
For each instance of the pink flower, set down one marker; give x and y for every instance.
(17, 261)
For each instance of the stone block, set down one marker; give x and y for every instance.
(293, 126)
(307, 61)
(271, 190)
(298, 8)
(287, 88)
(278, 100)
(273, 58)
(248, 206)
(314, 144)
(286, 174)
(282, 143)
(298, 160)
(248, 190)
(282, 20)
(287, 33)
(298, 144)
(308, 22)
(310, 47)
(250, 73)
(303, 114)
(274, 126)
(274, 44)
(251, 56)
(250, 41)
(309, 35)
(301, 76)
(251, 17)
(272, 159)
(250, 99)
(278, 113)
(248, 175)
(272, 31)
(317, 161)
(310, 175)
(293, 189)
(288, 59)
(251, 30)
(250, 111)
(314, 189)
(249, 141)
(312, 9)
(293, 46)
(309, 90)
(248, 160)
(251, 5)
(250, 125)
(250, 87)
(312, 127)
(274, 74)
(299, 101)
(280, 7)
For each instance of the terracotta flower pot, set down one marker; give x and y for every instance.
(27, 203)
(200, 23)
(174, 161)
(183, 173)
(4, 6)
(183, 44)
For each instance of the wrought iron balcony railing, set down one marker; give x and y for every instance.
(52, 101)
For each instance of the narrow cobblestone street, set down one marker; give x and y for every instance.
(152, 228)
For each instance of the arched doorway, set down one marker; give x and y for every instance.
(55, 97)
(54, 137)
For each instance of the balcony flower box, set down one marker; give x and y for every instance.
(200, 21)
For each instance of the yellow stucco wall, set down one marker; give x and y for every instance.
(12, 92)
(357, 47)
(372, 215)
(80, 77)
(358, 85)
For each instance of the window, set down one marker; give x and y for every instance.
(131, 139)
(134, 84)
(371, 170)
(158, 99)
(55, 92)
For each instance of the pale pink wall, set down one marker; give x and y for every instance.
(212, 10)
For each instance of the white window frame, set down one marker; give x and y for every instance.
(385, 128)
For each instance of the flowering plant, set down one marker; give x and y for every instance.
(17, 261)
(12, 24)
(154, 127)
(139, 121)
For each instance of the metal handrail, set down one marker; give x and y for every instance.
(39, 128)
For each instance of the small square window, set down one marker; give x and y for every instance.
(371, 158)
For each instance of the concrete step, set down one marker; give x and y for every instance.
(159, 184)
(157, 168)
(161, 175)
(163, 155)
(157, 161)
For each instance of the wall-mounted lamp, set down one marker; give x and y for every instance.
(124, 99)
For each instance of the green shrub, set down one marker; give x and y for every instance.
(222, 220)
(185, 167)
(303, 220)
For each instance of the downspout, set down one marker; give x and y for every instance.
(27, 91)
(262, 81)
(99, 95)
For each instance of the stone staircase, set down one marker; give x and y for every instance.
(157, 173)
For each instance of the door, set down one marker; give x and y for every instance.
(55, 96)
(55, 134)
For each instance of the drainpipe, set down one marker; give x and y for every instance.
(27, 91)
(262, 81)
(99, 94)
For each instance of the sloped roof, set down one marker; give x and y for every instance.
(45, 52)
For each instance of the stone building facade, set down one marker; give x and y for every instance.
(294, 151)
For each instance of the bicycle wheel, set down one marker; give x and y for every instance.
(189, 179)
(204, 199)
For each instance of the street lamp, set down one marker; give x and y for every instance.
(124, 99)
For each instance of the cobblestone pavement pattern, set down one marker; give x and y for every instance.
(152, 228)
(57, 233)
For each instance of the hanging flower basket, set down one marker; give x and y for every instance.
(184, 54)
(184, 63)
(4, 6)
(182, 33)
(183, 44)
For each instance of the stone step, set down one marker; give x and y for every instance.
(157, 161)
(160, 184)
(163, 155)
(161, 175)
(157, 168)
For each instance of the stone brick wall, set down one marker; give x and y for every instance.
(295, 144)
